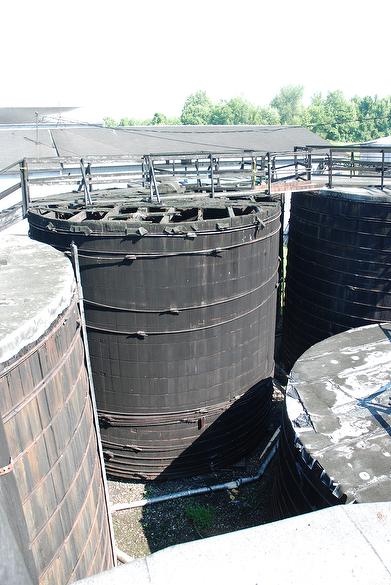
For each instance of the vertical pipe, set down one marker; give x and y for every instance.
(280, 290)
(76, 265)
(24, 182)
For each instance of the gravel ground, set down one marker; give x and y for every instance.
(145, 530)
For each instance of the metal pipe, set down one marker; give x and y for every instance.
(265, 458)
(76, 265)
(122, 557)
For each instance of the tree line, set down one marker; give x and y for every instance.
(332, 116)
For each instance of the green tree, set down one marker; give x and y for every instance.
(109, 122)
(374, 117)
(234, 111)
(267, 116)
(288, 103)
(158, 119)
(239, 111)
(197, 109)
(128, 122)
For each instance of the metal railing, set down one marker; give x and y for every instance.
(205, 172)
(354, 164)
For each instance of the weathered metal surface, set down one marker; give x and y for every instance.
(336, 441)
(47, 414)
(339, 265)
(180, 308)
(16, 561)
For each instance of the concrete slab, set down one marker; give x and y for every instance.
(345, 544)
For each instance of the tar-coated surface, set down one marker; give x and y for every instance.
(339, 265)
(16, 143)
(180, 306)
(48, 420)
(336, 441)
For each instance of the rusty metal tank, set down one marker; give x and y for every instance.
(16, 561)
(339, 265)
(47, 414)
(180, 304)
(335, 443)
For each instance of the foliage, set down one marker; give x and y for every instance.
(289, 104)
(197, 109)
(334, 116)
(201, 516)
(109, 122)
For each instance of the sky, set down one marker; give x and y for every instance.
(123, 58)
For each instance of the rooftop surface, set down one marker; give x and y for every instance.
(17, 143)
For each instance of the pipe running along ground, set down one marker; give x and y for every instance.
(265, 458)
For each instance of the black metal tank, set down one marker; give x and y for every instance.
(47, 412)
(339, 265)
(335, 442)
(180, 304)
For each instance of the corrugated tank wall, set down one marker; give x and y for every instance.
(47, 414)
(180, 307)
(339, 265)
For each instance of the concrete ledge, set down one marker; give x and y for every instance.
(350, 545)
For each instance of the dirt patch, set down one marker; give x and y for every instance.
(141, 531)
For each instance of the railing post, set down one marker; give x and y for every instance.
(87, 195)
(330, 183)
(382, 171)
(212, 187)
(296, 165)
(309, 169)
(24, 183)
(269, 174)
(254, 171)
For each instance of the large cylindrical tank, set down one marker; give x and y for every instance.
(47, 413)
(180, 306)
(339, 265)
(335, 444)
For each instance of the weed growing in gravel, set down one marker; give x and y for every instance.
(201, 516)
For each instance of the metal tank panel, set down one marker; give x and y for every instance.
(16, 561)
(47, 414)
(339, 265)
(180, 305)
(335, 443)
